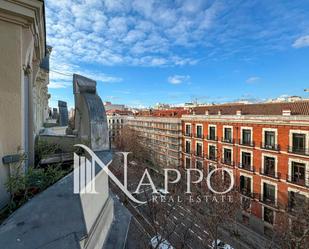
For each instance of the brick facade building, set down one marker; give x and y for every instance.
(266, 146)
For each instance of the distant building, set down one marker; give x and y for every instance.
(116, 120)
(161, 106)
(109, 106)
(24, 70)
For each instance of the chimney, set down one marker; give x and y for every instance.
(286, 112)
(207, 112)
(238, 112)
(219, 112)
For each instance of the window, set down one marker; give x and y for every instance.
(270, 139)
(246, 160)
(268, 215)
(298, 173)
(245, 185)
(212, 152)
(269, 166)
(199, 149)
(228, 135)
(199, 165)
(199, 131)
(246, 136)
(188, 163)
(212, 133)
(299, 143)
(227, 156)
(188, 147)
(188, 130)
(269, 192)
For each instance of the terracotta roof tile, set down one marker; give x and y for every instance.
(296, 108)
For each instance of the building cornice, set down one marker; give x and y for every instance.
(29, 14)
(156, 119)
(250, 119)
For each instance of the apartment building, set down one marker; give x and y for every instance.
(265, 146)
(24, 70)
(160, 130)
(116, 120)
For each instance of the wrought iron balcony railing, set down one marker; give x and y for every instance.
(227, 162)
(211, 157)
(296, 180)
(272, 174)
(200, 136)
(275, 147)
(212, 138)
(246, 143)
(299, 151)
(246, 167)
(227, 140)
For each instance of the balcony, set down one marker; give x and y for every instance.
(271, 174)
(268, 200)
(246, 192)
(227, 140)
(212, 138)
(187, 152)
(199, 136)
(188, 134)
(246, 143)
(246, 167)
(228, 162)
(274, 147)
(296, 180)
(211, 157)
(298, 151)
(200, 155)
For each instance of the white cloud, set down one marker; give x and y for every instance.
(253, 79)
(178, 79)
(165, 33)
(301, 42)
(58, 85)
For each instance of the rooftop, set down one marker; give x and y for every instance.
(169, 113)
(296, 108)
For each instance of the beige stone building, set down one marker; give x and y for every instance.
(23, 80)
(162, 136)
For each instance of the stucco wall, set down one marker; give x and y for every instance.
(11, 98)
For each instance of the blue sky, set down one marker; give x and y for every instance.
(142, 52)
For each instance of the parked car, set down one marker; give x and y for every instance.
(221, 245)
(159, 243)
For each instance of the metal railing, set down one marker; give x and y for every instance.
(296, 180)
(212, 138)
(200, 136)
(246, 143)
(299, 151)
(227, 162)
(211, 157)
(272, 174)
(188, 134)
(275, 147)
(246, 167)
(228, 140)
